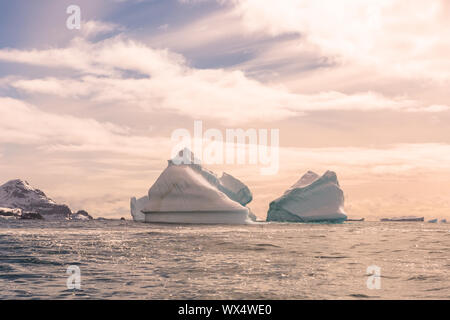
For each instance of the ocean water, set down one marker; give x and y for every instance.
(129, 260)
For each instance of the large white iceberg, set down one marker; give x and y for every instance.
(313, 198)
(185, 192)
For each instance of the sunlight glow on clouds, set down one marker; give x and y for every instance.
(408, 38)
(25, 124)
(93, 28)
(168, 82)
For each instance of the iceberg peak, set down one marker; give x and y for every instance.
(185, 157)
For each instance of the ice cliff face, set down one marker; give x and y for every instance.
(190, 187)
(232, 187)
(235, 189)
(183, 188)
(311, 199)
(137, 205)
(19, 194)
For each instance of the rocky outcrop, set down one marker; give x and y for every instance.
(31, 216)
(81, 215)
(20, 196)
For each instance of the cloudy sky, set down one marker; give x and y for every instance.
(358, 87)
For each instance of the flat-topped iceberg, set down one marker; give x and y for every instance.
(313, 198)
(185, 192)
(403, 219)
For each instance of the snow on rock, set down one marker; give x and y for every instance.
(311, 199)
(185, 192)
(8, 212)
(18, 194)
(81, 215)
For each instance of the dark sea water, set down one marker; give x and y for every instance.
(128, 260)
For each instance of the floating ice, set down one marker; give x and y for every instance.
(311, 199)
(235, 189)
(185, 192)
(406, 218)
(136, 206)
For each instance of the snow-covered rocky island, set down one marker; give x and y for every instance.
(185, 192)
(20, 200)
(313, 198)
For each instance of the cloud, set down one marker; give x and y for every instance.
(24, 124)
(409, 39)
(93, 28)
(162, 80)
(394, 48)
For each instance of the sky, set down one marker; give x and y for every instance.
(357, 87)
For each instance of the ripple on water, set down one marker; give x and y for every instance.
(271, 261)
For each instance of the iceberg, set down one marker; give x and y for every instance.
(404, 219)
(252, 216)
(185, 192)
(313, 198)
(136, 206)
(235, 189)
